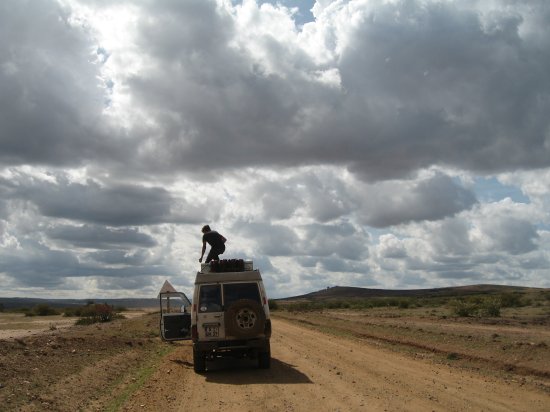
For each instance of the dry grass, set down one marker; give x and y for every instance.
(517, 342)
(18, 321)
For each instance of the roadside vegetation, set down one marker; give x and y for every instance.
(503, 333)
(41, 310)
(92, 368)
(87, 314)
(94, 313)
(476, 305)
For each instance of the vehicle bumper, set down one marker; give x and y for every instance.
(221, 346)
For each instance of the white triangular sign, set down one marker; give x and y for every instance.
(167, 288)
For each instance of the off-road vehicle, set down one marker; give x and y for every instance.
(229, 315)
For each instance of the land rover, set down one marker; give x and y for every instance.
(229, 315)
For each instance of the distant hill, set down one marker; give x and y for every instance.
(130, 303)
(332, 293)
(347, 292)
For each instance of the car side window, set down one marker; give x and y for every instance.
(236, 291)
(210, 299)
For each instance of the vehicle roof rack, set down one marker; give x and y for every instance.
(247, 275)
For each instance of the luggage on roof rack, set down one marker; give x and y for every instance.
(227, 265)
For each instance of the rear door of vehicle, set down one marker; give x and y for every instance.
(245, 316)
(236, 291)
(175, 316)
(210, 319)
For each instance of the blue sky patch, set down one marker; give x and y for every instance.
(491, 190)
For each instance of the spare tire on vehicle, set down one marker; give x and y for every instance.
(245, 318)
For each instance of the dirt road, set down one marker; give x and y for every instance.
(312, 371)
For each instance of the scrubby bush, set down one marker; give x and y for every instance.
(490, 307)
(476, 306)
(42, 309)
(273, 305)
(511, 300)
(462, 308)
(356, 304)
(304, 307)
(73, 311)
(95, 313)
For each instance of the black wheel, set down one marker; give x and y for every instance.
(264, 360)
(245, 318)
(199, 361)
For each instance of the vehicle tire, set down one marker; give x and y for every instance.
(264, 359)
(199, 361)
(245, 318)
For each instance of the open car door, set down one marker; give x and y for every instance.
(175, 316)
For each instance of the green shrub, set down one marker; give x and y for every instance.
(72, 311)
(304, 307)
(491, 307)
(511, 300)
(476, 306)
(42, 309)
(273, 305)
(94, 313)
(462, 308)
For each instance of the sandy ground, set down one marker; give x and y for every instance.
(31, 326)
(17, 325)
(312, 371)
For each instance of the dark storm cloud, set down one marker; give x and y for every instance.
(391, 91)
(112, 205)
(99, 237)
(3, 210)
(239, 113)
(401, 202)
(423, 83)
(448, 85)
(33, 264)
(326, 197)
(51, 100)
(116, 206)
(36, 265)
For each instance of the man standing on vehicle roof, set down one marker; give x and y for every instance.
(216, 242)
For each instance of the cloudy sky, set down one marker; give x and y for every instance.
(372, 143)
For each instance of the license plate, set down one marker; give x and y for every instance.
(212, 331)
